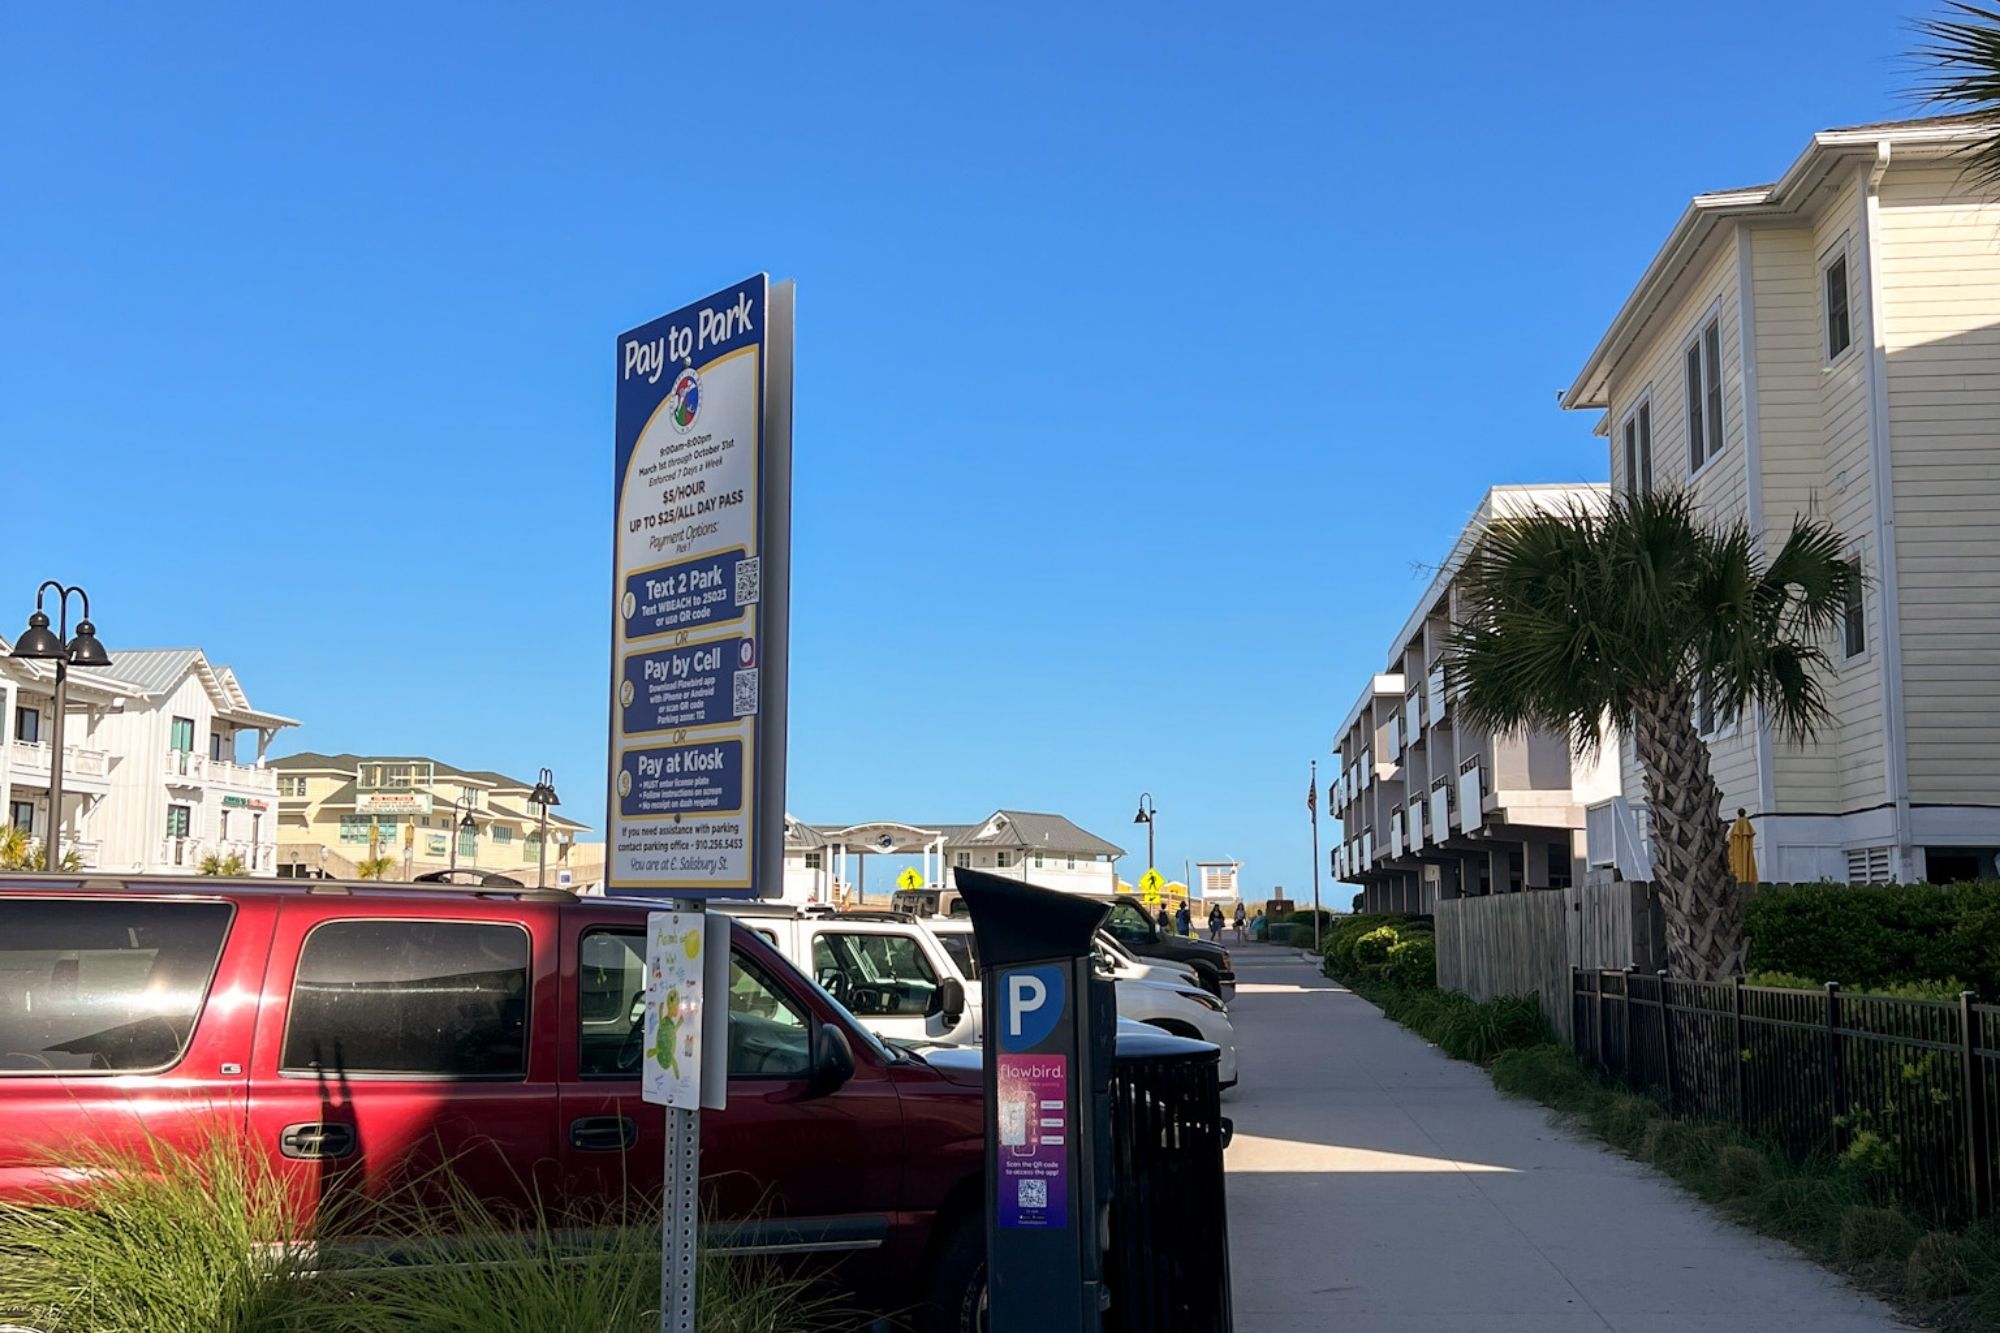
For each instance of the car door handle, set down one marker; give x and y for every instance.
(317, 1140)
(603, 1133)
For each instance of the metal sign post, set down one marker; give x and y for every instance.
(700, 632)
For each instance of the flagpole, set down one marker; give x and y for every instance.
(1313, 805)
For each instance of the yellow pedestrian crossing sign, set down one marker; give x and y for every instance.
(911, 878)
(1150, 884)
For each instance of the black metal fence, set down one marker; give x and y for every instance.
(1910, 1089)
(1168, 1265)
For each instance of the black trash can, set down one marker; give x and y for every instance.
(1167, 1268)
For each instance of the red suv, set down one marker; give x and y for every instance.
(362, 1031)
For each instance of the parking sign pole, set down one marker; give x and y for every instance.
(680, 1221)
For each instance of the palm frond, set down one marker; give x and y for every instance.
(1963, 53)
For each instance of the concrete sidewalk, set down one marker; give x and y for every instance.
(1376, 1186)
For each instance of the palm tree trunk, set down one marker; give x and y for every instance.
(1702, 902)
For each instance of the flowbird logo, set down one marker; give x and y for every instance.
(684, 400)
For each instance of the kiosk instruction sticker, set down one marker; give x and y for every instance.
(1034, 1134)
(688, 592)
(674, 984)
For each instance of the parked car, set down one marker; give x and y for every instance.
(1132, 926)
(888, 971)
(929, 902)
(1155, 995)
(358, 1033)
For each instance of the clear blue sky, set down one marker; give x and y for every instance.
(1147, 353)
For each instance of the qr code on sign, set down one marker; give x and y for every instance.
(746, 692)
(749, 580)
(1034, 1194)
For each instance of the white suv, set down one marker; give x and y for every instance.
(1147, 993)
(890, 972)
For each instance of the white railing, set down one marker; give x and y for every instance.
(187, 764)
(1413, 718)
(1417, 835)
(1395, 833)
(182, 853)
(1368, 848)
(32, 757)
(1395, 736)
(1440, 813)
(1434, 690)
(243, 777)
(1614, 839)
(1471, 802)
(1367, 768)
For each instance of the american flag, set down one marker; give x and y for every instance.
(1312, 794)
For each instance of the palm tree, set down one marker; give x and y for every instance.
(1630, 611)
(1963, 53)
(374, 867)
(230, 866)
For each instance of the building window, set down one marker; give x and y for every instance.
(815, 860)
(215, 743)
(1038, 860)
(468, 842)
(1704, 396)
(502, 834)
(437, 998)
(354, 828)
(179, 820)
(21, 815)
(1071, 865)
(1002, 860)
(1638, 432)
(291, 786)
(180, 736)
(28, 725)
(1854, 622)
(1839, 326)
(962, 859)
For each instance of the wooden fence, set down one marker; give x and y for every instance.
(1514, 943)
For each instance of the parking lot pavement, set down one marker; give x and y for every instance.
(1376, 1186)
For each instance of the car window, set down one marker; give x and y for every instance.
(875, 976)
(1127, 922)
(423, 998)
(103, 986)
(964, 953)
(769, 1036)
(611, 997)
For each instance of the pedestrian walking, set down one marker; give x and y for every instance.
(1215, 923)
(1183, 921)
(1166, 920)
(1242, 923)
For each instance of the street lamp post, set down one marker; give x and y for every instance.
(1147, 814)
(459, 826)
(544, 795)
(42, 644)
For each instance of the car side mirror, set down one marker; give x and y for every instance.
(951, 999)
(833, 1061)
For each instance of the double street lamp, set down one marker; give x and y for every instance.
(1147, 814)
(544, 795)
(42, 644)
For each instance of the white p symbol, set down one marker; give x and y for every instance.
(1025, 994)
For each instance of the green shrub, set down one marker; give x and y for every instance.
(1947, 989)
(1551, 1074)
(1412, 962)
(1939, 1267)
(1337, 944)
(1876, 1236)
(1479, 1032)
(1738, 1173)
(1866, 937)
(1372, 949)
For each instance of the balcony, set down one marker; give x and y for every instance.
(1413, 718)
(1440, 813)
(83, 769)
(1434, 695)
(1614, 840)
(1471, 798)
(187, 854)
(1396, 835)
(185, 768)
